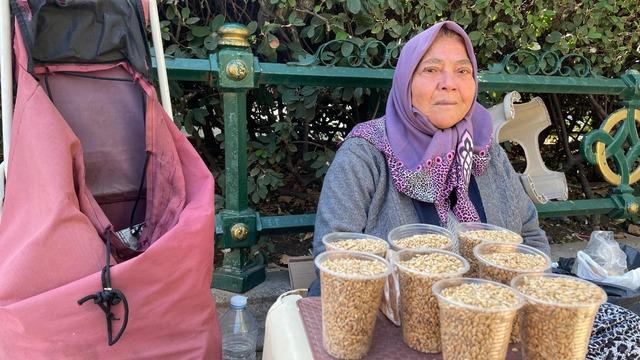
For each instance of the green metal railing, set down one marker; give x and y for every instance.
(234, 70)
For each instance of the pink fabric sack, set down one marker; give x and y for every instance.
(74, 170)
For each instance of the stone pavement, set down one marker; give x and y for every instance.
(264, 295)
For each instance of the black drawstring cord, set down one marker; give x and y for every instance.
(107, 297)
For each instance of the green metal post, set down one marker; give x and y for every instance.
(611, 139)
(239, 272)
(235, 149)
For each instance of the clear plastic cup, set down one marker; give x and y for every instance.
(419, 307)
(374, 244)
(467, 241)
(349, 305)
(474, 332)
(505, 273)
(554, 329)
(405, 231)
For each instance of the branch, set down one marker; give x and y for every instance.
(598, 109)
(326, 21)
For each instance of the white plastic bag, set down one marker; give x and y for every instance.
(605, 251)
(589, 269)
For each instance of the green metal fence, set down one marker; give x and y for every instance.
(234, 70)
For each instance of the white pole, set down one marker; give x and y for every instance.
(6, 79)
(159, 53)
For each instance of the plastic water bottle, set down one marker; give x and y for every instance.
(239, 331)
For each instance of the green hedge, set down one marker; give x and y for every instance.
(294, 130)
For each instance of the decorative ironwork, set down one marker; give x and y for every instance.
(233, 34)
(610, 144)
(543, 63)
(237, 69)
(239, 232)
(372, 54)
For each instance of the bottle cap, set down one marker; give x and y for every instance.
(238, 301)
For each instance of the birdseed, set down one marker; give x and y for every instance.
(371, 246)
(431, 241)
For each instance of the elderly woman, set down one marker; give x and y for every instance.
(431, 159)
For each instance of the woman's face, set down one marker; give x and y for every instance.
(443, 87)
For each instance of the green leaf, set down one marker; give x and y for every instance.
(346, 48)
(480, 4)
(170, 13)
(535, 46)
(341, 35)
(347, 94)
(199, 116)
(554, 37)
(217, 22)
(289, 96)
(594, 34)
(319, 162)
(376, 28)
(295, 20)
(306, 59)
(251, 27)
(200, 31)
(308, 90)
(354, 6)
(192, 20)
(185, 12)
(475, 36)
(321, 171)
(211, 42)
(308, 155)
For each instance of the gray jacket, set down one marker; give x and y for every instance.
(358, 195)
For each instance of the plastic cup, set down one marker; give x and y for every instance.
(473, 332)
(504, 274)
(555, 330)
(419, 307)
(349, 305)
(467, 241)
(377, 246)
(405, 231)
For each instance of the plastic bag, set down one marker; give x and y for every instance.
(605, 251)
(628, 298)
(587, 268)
(390, 305)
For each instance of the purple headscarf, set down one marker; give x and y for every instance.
(427, 163)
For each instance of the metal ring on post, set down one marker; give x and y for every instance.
(233, 34)
(609, 175)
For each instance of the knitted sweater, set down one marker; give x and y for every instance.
(358, 195)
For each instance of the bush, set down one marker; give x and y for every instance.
(294, 131)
